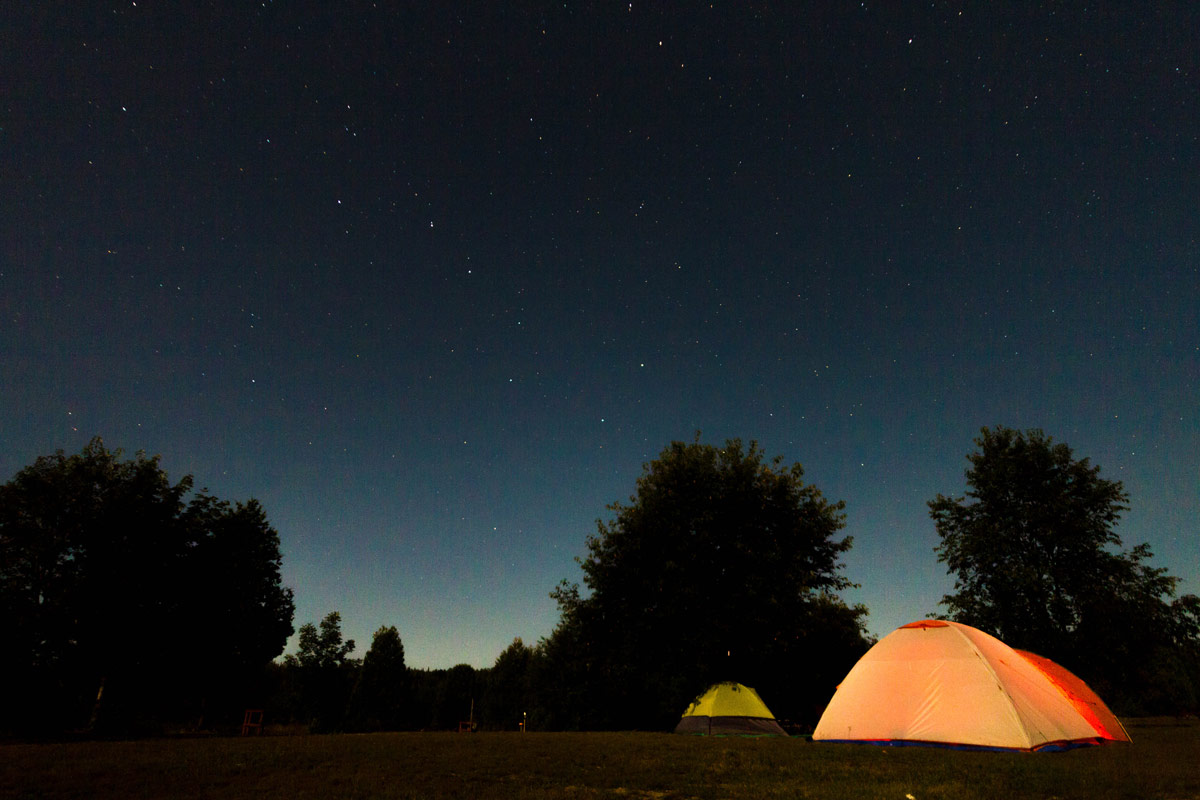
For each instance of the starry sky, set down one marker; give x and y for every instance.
(433, 281)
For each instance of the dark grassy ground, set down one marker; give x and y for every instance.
(1163, 762)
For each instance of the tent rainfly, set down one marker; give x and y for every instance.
(729, 709)
(947, 684)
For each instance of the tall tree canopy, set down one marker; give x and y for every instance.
(723, 566)
(112, 578)
(1037, 562)
(382, 696)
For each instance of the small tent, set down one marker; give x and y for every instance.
(729, 709)
(936, 682)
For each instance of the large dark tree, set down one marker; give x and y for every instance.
(125, 600)
(382, 696)
(1037, 562)
(239, 611)
(723, 566)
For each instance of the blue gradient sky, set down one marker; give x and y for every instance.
(433, 285)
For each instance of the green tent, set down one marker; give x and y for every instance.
(729, 709)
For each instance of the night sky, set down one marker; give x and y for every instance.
(433, 281)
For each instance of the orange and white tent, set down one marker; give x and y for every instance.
(943, 683)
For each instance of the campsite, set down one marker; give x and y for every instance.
(1159, 763)
(599, 400)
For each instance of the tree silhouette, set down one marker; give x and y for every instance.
(99, 557)
(723, 566)
(382, 696)
(1034, 549)
(324, 671)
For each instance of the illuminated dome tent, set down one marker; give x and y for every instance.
(729, 709)
(946, 684)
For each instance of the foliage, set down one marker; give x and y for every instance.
(508, 693)
(324, 673)
(456, 697)
(559, 678)
(324, 648)
(321, 688)
(447, 697)
(382, 696)
(99, 557)
(1033, 547)
(722, 567)
(240, 611)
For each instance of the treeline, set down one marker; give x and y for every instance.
(322, 688)
(133, 605)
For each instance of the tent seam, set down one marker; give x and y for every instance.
(1012, 704)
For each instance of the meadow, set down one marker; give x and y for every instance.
(1162, 762)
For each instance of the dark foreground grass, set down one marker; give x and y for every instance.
(1163, 762)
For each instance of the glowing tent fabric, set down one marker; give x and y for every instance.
(944, 683)
(1086, 702)
(729, 709)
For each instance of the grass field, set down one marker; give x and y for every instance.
(1162, 762)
